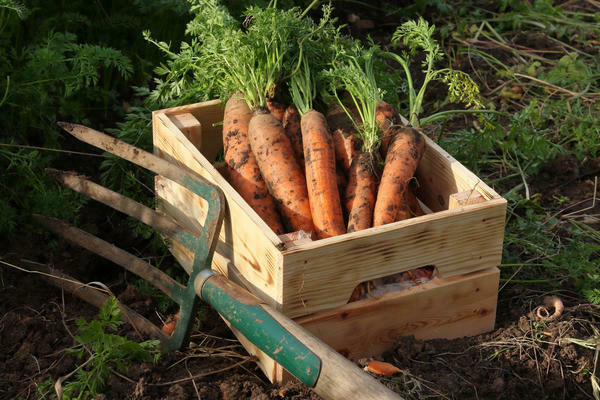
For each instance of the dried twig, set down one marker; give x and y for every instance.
(218, 371)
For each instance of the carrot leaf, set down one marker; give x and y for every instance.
(353, 72)
(418, 35)
(314, 55)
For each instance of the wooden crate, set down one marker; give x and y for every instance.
(462, 235)
(311, 281)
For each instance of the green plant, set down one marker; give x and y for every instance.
(105, 352)
(592, 343)
(65, 61)
(418, 35)
(519, 146)
(353, 71)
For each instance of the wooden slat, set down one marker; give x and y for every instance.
(440, 175)
(210, 115)
(465, 198)
(439, 309)
(442, 308)
(322, 274)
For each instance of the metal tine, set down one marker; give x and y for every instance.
(131, 153)
(179, 174)
(134, 264)
(150, 217)
(97, 298)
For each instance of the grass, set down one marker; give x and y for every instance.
(104, 351)
(536, 64)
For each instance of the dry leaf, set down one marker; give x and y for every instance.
(382, 368)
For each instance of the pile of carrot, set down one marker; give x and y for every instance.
(326, 173)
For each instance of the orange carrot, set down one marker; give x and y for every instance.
(276, 108)
(291, 124)
(403, 155)
(386, 117)
(170, 324)
(413, 203)
(410, 207)
(346, 142)
(342, 181)
(321, 178)
(244, 174)
(282, 173)
(361, 192)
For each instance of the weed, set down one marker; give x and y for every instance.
(592, 343)
(105, 351)
(66, 62)
(418, 35)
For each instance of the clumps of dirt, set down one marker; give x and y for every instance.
(527, 358)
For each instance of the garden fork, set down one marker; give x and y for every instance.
(307, 358)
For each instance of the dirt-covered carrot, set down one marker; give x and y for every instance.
(283, 175)
(360, 192)
(342, 180)
(321, 177)
(319, 157)
(403, 156)
(276, 108)
(355, 75)
(243, 171)
(413, 203)
(255, 60)
(410, 206)
(345, 140)
(386, 117)
(291, 124)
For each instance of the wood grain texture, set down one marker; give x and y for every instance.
(190, 127)
(440, 175)
(442, 308)
(465, 198)
(209, 114)
(322, 274)
(256, 254)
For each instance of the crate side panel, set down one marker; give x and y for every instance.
(321, 275)
(240, 240)
(450, 308)
(440, 175)
(180, 204)
(209, 114)
(443, 308)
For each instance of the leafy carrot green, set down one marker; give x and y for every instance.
(418, 35)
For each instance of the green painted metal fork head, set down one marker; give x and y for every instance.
(203, 247)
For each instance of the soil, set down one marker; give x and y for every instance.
(522, 358)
